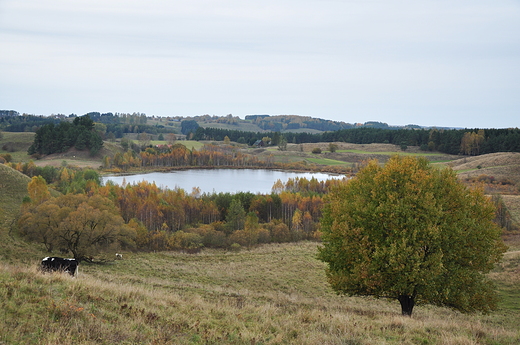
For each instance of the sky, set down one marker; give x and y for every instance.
(425, 62)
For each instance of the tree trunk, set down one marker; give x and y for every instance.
(407, 303)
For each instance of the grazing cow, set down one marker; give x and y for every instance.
(53, 264)
(119, 256)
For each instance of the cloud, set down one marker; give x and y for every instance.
(393, 61)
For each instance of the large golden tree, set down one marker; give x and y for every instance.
(411, 232)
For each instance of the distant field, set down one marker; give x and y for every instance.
(197, 145)
(16, 144)
(188, 143)
(390, 153)
(326, 161)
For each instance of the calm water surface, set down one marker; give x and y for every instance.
(218, 180)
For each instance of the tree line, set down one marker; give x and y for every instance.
(450, 141)
(209, 156)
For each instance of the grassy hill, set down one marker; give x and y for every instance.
(16, 144)
(274, 294)
(501, 165)
(13, 188)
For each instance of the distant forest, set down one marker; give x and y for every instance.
(109, 125)
(452, 141)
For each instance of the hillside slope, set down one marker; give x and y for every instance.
(13, 188)
(500, 165)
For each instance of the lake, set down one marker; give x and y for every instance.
(218, 180)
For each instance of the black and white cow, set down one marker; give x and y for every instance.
(53, 264)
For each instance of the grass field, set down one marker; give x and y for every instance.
(274, 294)
(13, 188)
(391, 153)
(16, 144)
(327, 161)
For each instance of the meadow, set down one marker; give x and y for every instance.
(16, 145)
(273, 294)
(327, 161)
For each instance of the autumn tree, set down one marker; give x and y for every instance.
(411, 232)
(333, 147)
(38, 190)
(78, 223)
(471, 142)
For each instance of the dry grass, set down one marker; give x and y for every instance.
(13, 188)
(501, 165)
(274, 294)
(358, 153)
(512, 203)
(81, 159)
(17, 145)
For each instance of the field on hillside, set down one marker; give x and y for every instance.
(16, 144)
(357, 153)
(13, 188)
(274, 294)
(81, 159)
(501, 165)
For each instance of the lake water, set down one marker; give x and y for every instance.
(218, 180)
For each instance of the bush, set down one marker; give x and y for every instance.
(264, 236)
(280, 233)
(210, 237)
(7, 157)
(235, 247)
(189, 242)
(333, 147)
(316, 150)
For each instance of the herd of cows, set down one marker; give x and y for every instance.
(70, 266)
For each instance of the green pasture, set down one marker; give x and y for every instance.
(197, 145)
(389, 153)
(16, 144)
(326, 161)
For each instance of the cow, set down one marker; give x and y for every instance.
(54, 264)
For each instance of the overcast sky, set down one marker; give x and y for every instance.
(437, 62)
